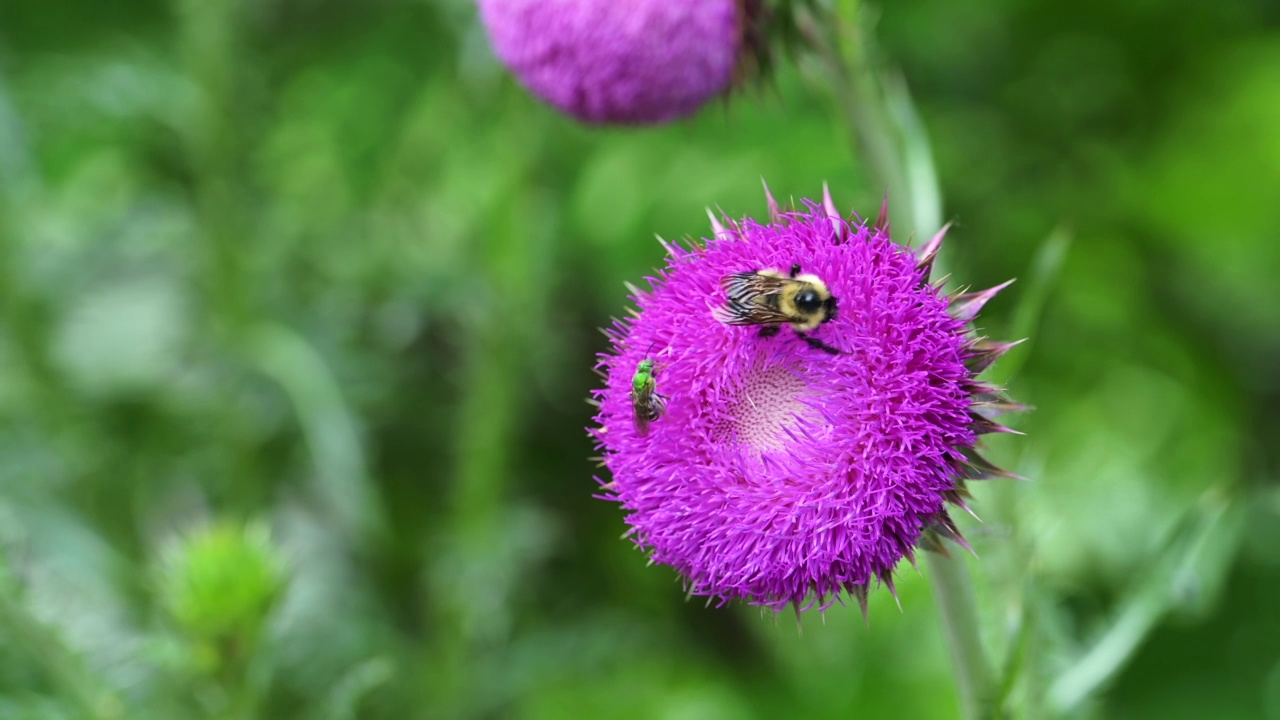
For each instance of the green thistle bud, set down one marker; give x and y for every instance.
(217, 586)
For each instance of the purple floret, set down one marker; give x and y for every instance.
(780, 474)
(616, 62)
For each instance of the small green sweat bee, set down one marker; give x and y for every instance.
(645, 400)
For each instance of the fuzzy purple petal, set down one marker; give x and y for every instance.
(618, 61)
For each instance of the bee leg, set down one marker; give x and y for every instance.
(818, 344)
(769, 330)
(795, 270)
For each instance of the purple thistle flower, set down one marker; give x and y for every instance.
(634, 62)
(778, 473)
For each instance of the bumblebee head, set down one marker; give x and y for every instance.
(809, 301)
(812, 296)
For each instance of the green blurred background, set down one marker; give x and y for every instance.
(298, 303)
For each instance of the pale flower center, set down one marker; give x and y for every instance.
(766, 405)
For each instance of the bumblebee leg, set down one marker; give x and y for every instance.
(818, 344)
(795, 270)
(769, 330)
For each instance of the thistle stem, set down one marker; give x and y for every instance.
(954, 594)
(841, 46)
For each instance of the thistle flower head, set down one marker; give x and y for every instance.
(778, 473)
(634, 62)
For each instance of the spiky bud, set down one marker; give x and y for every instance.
(217, 585)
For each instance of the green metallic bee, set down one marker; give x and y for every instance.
(645, 400)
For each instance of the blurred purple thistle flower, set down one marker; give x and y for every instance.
(780, 474)
(632, 63)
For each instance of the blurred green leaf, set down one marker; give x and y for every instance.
(1192, 566)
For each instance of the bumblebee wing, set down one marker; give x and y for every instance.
(745, 307)
(736, 312)
(748, 286)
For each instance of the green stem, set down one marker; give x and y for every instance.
(882, 144)
(842, 48)
(954, 594)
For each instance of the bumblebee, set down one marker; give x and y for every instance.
(646, 403)
(772, 299)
